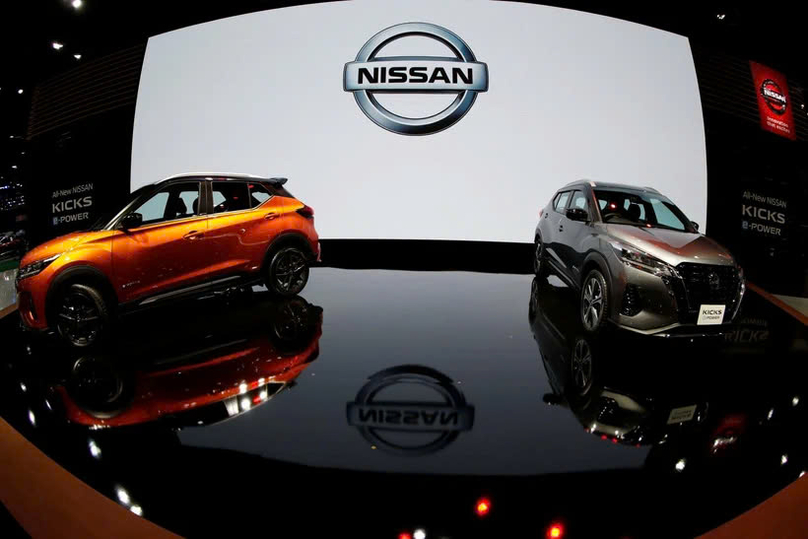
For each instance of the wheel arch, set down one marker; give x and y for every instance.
(82, 274)
(595, 260)
(285, 239)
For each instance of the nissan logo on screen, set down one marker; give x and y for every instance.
(461, 74)
(773, 96)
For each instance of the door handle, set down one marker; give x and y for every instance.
(192, 235)
(271, 215)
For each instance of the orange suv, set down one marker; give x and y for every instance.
(181, 236)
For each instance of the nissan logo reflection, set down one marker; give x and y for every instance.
(410, 410)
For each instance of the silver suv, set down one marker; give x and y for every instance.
(636, 259)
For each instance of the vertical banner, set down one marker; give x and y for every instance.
(774, 103)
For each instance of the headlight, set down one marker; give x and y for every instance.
(640, 260)
(35, 268)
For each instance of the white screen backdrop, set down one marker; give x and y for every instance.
(572, 95)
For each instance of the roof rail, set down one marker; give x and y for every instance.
(226, 175)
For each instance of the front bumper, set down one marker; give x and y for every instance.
(653, 304)
(31, 294)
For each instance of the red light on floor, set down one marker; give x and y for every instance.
(404, 535)
(483, 507)
(555, 531)
(603, 437)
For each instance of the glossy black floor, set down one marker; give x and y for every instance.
(399, 399)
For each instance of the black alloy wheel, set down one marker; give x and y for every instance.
(81, 315)
(581, 365)
(288, 272)
(538, 256)
(594, 301)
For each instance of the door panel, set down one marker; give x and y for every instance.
(168, 250)
(575, 233)
(159, 257)
(554, 223)
(239, 237)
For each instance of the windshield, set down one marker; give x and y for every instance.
(104, 219)
(648, 210)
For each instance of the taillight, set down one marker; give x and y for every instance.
(307, 212)
(540, 210)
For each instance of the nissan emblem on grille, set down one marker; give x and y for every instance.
(715, 282)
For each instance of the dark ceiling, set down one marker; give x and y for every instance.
(99, 27)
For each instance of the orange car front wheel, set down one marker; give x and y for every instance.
(82, 315)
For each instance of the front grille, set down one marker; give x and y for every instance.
(708, 284)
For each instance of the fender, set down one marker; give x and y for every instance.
(89, 273)
(600, 260)
(602, 263)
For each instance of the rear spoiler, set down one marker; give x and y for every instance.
(277, 181)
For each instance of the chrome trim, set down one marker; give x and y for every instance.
(181, 291)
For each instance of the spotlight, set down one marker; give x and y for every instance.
(123, 496)
(419, 534)
(555, 531)
(783, 460)
(77, 56)
(721, 16)
(76, 4)
(20, 91)
(136, 509)
(483, 507)
(57, 46)
(680, 465)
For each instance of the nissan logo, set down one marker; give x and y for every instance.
(461, 74)
(410, 410)
(714, 281)
(773, 96)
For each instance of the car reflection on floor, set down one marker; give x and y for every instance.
(213, 368)
(688, 398)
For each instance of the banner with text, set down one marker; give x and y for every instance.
(774, 103)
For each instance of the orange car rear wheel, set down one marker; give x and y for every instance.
(287, 272)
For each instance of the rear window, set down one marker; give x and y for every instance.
(230, 196)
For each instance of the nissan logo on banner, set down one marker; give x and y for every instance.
(460, 73)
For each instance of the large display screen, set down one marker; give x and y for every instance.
(425, 120)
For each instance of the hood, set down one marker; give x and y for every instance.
(672, 246)
(62, 244)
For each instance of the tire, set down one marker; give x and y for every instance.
(594, 304)
(287, 272)
(99, 387)
(293, 326)
(538, 256)
(82, 315)
(582, 367)
(533, 306)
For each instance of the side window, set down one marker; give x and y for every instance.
(258, 194)
(153, 209)
(177, 201)
(579, 201)
(230, 196)
(561, 201)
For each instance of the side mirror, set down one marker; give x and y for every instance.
(577, 214)
(695, 225)
(131, 220)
